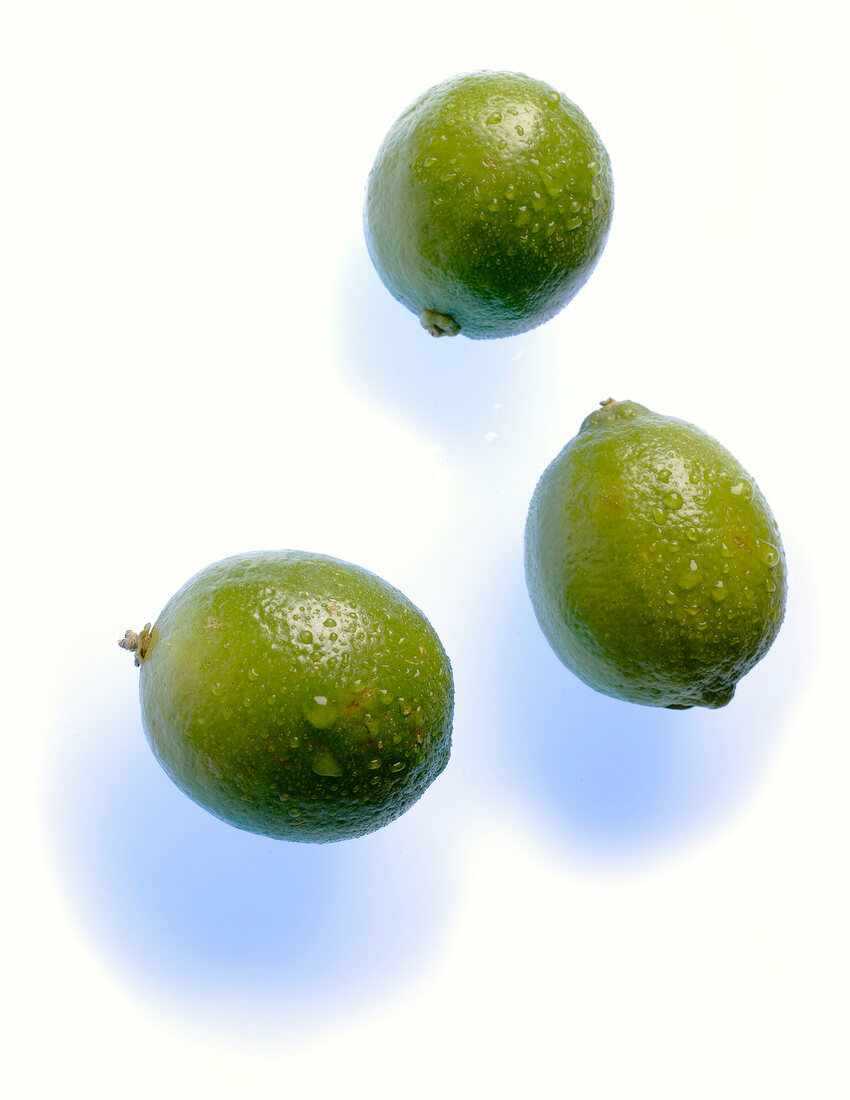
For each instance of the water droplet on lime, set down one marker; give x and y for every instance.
(767, 552)
(690, 578)
(324, 763)
(320, 713)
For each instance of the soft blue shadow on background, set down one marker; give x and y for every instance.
(451, 391)
(217, 922)
(615, 782)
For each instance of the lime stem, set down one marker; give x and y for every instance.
(136, 643)
(609, 403)
(438, 324)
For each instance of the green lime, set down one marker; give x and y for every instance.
(488, 204)
(295, 695)
(653, 562)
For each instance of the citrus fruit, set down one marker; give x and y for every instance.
(488, 204)
(653, 562)
(295, 695)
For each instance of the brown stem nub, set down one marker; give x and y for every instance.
(608, 403)
(137, 643)
(438, 324)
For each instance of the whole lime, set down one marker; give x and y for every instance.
(295, 695)
(653, 562)
(488, 204)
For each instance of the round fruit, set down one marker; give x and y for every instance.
(295, 695)
(488, 204)
(653, 562)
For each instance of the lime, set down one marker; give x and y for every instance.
(488, 204)
(295, 695)
(653, 562)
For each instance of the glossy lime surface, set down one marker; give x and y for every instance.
(653, 562)
(488, 204)
(296, 695)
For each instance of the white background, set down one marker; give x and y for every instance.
(595, 900)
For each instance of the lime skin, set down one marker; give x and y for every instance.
(296, 696)
(488, 205)
(653, 562)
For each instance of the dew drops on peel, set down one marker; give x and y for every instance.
(320, 713)
(719, 592)
(743, 489)
(324, 763)
(690, 578)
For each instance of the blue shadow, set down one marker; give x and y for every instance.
(219, 922)
(611, 781)
(443, 388)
